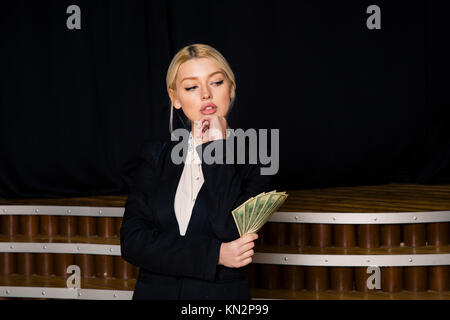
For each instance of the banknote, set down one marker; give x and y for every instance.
(259, 204)
(271, 203)
(238, 215)
(254, 213)
(261, 201)
(249, 208)
(249, 205)
(268, 213)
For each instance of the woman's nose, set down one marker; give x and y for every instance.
(206, 94)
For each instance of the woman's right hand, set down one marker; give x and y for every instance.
(237, 253)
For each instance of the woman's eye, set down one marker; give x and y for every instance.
(218, 83)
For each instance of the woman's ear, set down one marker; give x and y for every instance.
(173, 99)
(232, 92)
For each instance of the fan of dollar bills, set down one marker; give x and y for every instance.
(253, 214)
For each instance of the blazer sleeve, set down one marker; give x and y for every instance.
(146, 245)
(229, 186)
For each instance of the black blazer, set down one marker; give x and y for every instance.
(185, 267)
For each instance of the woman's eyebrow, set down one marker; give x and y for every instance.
(193, 78)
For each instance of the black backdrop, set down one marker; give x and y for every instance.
(353, 106)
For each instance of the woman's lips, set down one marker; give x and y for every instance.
(209, 110)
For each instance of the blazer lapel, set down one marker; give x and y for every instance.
(170, 178)
(168, 183)
(199, 216)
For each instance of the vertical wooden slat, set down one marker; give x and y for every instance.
(414, 234)
(106, 227)
(86, 228)
(49, 226)
(317, 278)
(438, 234)
(341, 279)
(415, 278)
(321, 235)
(10, 225)
(8, 263)
(68, 226)
(392, 279)
(278, 234)
(123, 269)
(390, 235)
(26, 264)
(293, 277)
(29, 227)
(86, 264)
(104, 264)
(344, 235)
(270, 276)
(61, 262)
(368, 235)
(299, 235)
(439, 278)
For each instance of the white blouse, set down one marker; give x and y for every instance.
(189, 186)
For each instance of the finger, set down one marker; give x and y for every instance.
(249, 237)
(244, 244)
(204, 123)
(215, 121)
(246, 247)
(243, 240)
(246, 262)
(202, 129)
(246, 254)
(205, 118)
(205, 126)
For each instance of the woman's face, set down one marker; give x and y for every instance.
(201, 82)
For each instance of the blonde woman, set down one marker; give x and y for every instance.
(177, 226)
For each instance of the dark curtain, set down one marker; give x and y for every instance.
(353, 106)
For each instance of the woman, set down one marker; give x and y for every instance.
(177, 226)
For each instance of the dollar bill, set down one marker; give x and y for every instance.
(251, 215)
(261, 200)
(271, 201)
(268, 213)
(242, 215)
(249, 207)
(238, 215)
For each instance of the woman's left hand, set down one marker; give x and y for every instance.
(211, 127)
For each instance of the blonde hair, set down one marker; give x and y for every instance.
(197, 50)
